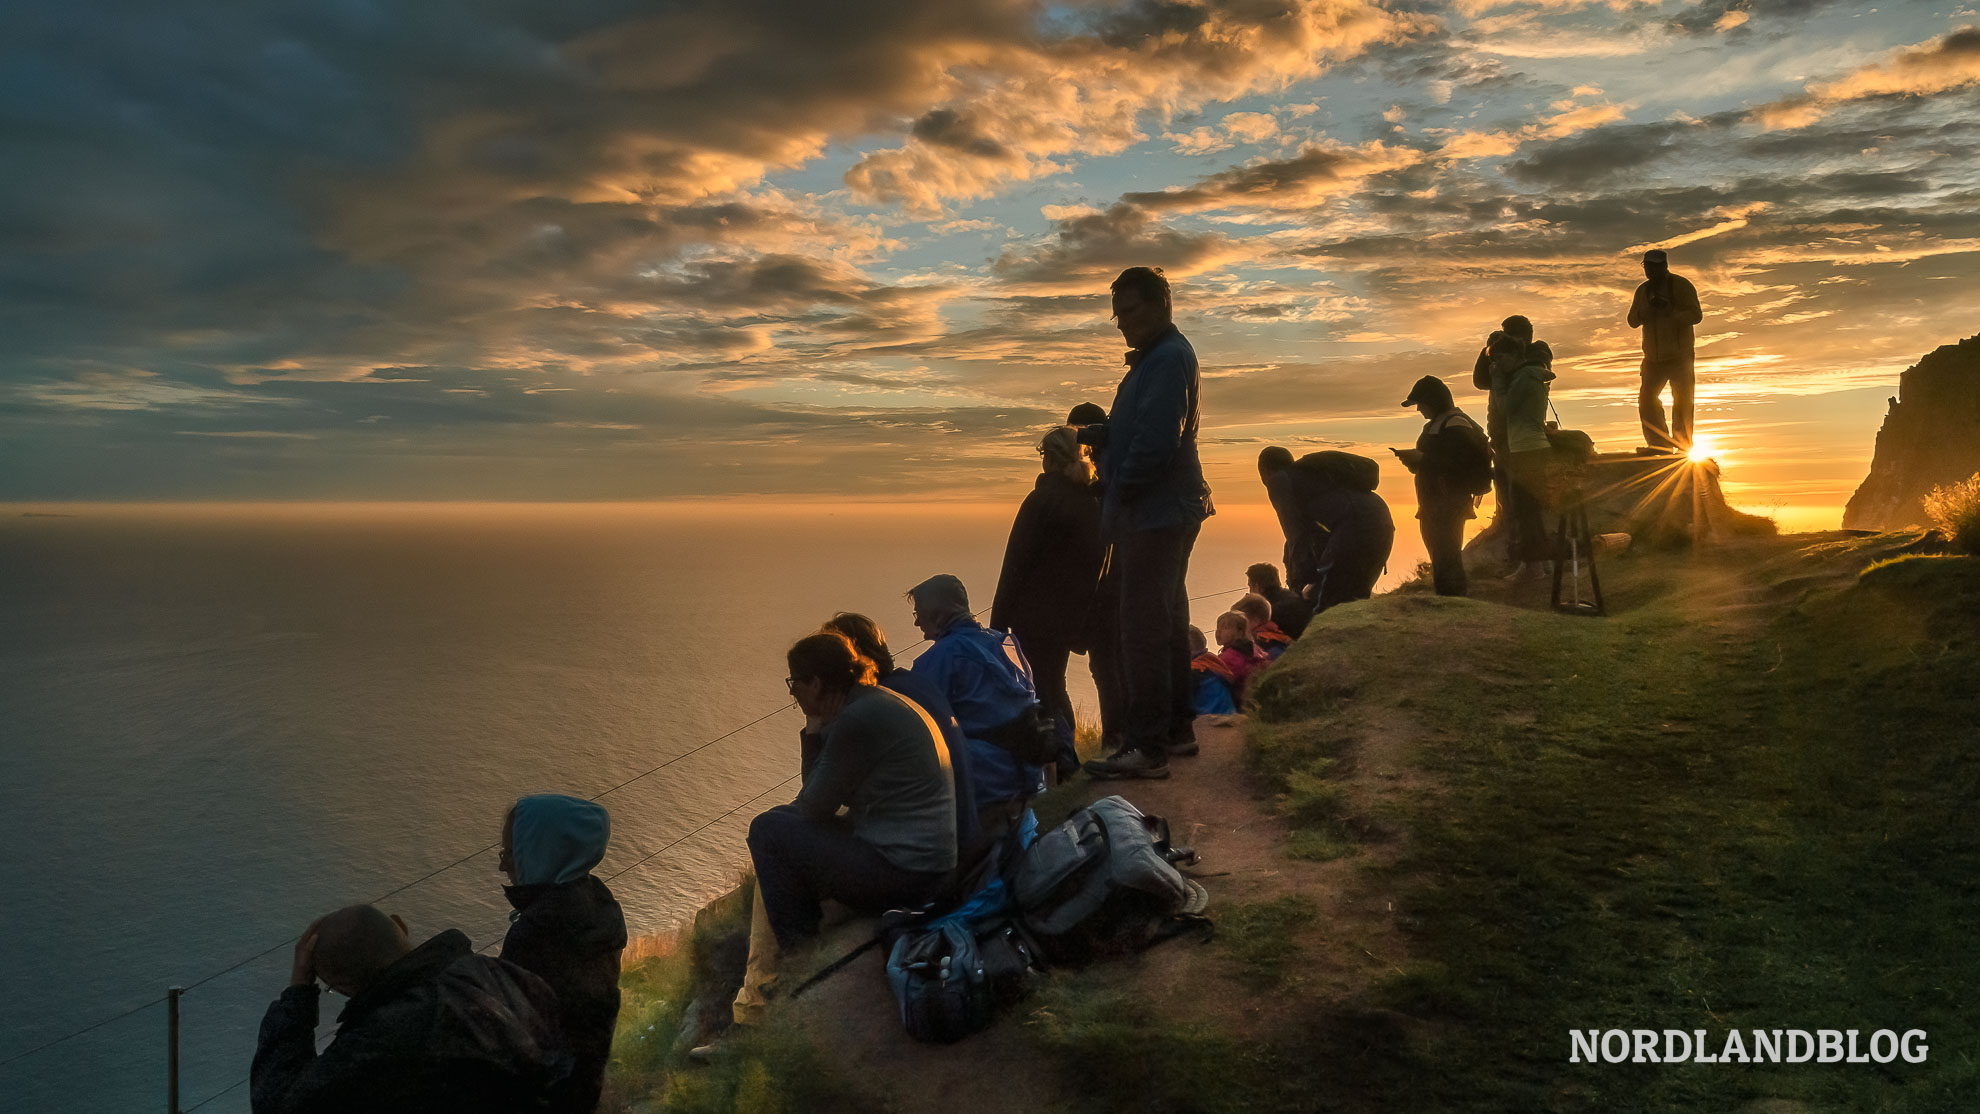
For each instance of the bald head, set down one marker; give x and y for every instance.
(356, 943)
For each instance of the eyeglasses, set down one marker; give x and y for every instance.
(790, 685)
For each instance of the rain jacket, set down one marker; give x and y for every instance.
(1051, 569)
(441, 1031)
(1526, 408)
(987, 681)
(568, 930)
(1152, 476)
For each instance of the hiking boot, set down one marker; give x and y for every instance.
(1129, 764)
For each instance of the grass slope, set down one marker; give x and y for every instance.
(1743, 802)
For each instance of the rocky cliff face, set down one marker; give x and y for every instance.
(1930, 437)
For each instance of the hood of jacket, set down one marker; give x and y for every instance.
(556, 838)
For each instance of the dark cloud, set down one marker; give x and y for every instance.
(1600, 154)
(1089, 250)
(945, 127)
(1302, 181)
(1741, 16)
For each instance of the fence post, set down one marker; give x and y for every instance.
(172, 1049)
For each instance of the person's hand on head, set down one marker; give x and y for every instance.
(302, 972)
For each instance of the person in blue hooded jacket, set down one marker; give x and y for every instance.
(1153, 503)
(984, 676)
(566, 928)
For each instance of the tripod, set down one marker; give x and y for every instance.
(1571, 538)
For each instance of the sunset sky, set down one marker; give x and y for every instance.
(613, 250)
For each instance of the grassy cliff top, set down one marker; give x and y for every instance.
(1454, 830)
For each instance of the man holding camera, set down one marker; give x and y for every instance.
(1665, 308)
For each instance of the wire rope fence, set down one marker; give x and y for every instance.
(430, 875)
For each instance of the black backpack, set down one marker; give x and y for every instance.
(1474, 474)
(1338, 469)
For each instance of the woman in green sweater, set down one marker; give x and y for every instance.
(1524, 404)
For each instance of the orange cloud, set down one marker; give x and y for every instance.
(1952, 62)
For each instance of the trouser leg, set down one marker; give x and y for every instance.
(801, 862)
(1443, 537)
(1153, 614)
(1495, 432)
(1182, 713)
(1683, 378)
(1048, 671)
(1529, 476)
(1650, 406)
(1104, 660)
(765, 958)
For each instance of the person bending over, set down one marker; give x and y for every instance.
(433, 1029)
(567, 928)
(1337, 537)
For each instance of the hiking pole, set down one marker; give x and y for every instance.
(839, 964)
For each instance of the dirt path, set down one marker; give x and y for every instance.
(1212, 805)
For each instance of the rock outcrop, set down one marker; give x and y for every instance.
(1930, 437)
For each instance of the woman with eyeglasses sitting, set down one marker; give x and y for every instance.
(881, 759)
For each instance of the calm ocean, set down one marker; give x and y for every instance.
(219, 723)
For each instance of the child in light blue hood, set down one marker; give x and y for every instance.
(566, 927)
(554, 839)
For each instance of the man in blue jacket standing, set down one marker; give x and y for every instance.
(1155, 501)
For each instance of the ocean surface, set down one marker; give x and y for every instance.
(218, 723)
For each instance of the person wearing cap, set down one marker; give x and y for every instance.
(1050, 576)
(1152, 506)
(1450, 457)
(987, 680)
(1665, 308)
(1495, 417)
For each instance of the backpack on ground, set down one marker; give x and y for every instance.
(951, 973)
(1339, 469)
(1104, 883)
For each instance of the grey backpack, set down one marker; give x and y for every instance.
(1104, 883)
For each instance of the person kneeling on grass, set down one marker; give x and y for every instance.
(567, 929)
(881, 758)
(1239, 653)
(1259, 627)
(1211, 681)
(434, 1029)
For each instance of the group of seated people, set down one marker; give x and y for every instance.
(438, 1029)
(1250, 636)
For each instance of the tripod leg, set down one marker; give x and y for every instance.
(1594, 582)
(1560, 538)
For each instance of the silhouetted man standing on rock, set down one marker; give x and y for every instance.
(1665, 308)
(1154, 502)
